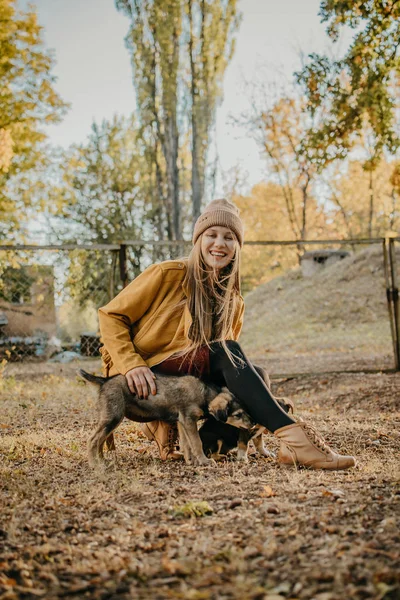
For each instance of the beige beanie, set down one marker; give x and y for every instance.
(219, 212)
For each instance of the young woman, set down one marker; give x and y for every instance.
(185, 316)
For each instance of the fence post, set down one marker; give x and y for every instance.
(395, 299)
(123, 269)
(111, 286)
(392, 295)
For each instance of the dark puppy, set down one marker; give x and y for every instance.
(219, 438)
(183, 399)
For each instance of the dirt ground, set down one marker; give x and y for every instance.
(142, 529)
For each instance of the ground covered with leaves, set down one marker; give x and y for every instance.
(152, 530)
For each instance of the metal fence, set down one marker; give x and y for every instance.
(336, 311)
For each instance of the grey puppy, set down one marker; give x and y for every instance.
(184, 399)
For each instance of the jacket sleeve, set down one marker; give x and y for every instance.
(117, 317)
(238, 319)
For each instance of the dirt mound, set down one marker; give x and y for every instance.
(342, 308)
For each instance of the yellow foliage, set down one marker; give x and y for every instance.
(6, 150)
(265, 218)
(357, 192)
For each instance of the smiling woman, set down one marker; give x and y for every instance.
(184, 317)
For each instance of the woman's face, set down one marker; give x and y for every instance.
(218, 246)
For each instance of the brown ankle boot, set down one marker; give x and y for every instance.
(166, 437)
(302, 445)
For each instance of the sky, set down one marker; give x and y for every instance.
(94, 73)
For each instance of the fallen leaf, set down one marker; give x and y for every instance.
(333, 493)
(7, 581)
(267, 492)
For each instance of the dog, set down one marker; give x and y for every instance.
(183, 399)
(219, 438)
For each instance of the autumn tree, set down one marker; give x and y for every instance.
(28, 101)
(279, 127)
(264, 214)
(359, 88)
(103, 191)
(102, 197)
(349, 195)
(153, 42)
(179, 54)
(211, 38)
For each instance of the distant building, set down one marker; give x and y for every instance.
(27, 306)
(317, 260)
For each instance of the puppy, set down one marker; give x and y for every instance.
(184, 399)
(219, 438)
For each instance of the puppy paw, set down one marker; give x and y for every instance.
(268, 453)
(242, 458)
(216, 457)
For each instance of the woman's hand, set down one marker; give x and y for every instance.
(140, 380)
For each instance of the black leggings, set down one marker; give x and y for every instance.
(248, 387)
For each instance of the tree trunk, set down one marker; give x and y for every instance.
(171, 148)
(371, 204)
(196, 186)
(304, 190)
(392, 216)
(196, 189)
(170, 138)
(164, 201)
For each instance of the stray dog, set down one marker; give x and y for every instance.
(219, 438)
(184, 399)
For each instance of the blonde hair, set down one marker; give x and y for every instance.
(212, 298)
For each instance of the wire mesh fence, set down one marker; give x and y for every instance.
(49, 300)
(309, 307)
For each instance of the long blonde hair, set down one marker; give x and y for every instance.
(212, 298)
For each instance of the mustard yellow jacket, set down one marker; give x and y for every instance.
(149, 320)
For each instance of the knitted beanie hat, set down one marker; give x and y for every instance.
(219, 212)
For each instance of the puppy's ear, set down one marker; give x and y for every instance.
(221, 415)
(218, 407)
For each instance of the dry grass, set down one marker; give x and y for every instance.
(274, 533)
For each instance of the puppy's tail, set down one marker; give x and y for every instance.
(92, 378)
